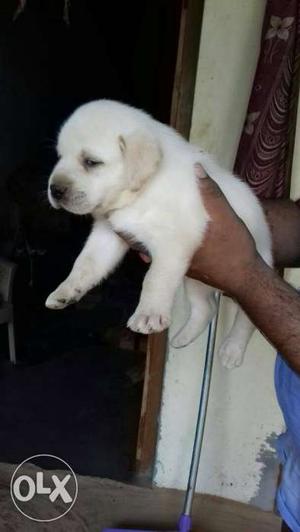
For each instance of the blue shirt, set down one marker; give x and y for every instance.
(287, 384)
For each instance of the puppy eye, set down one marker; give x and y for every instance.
(91, 163)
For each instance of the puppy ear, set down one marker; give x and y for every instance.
(142, 155)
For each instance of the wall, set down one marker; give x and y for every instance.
(238, 459)
(293, 276)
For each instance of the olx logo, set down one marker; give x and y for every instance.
(35, 494)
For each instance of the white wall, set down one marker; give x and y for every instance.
(293, 276)
(238, 459)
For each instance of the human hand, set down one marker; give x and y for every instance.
(228, 249)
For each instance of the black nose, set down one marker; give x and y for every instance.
(58, 191)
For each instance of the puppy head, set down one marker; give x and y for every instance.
(105, 149)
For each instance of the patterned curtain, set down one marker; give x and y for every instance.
(266, 147)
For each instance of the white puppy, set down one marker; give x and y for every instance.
(135, 175)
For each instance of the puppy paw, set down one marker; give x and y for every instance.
(148, 322)
(63, 296)
(231, 353)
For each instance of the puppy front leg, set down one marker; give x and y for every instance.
(153, 313)
(100, 255)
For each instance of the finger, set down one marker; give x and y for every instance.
(210, 189)
(208, 185)
(199, 171)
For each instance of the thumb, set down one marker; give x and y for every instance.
(209, 188)
(200, 173)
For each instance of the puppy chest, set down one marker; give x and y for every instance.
(133, 231)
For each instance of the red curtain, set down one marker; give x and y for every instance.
(266, 145)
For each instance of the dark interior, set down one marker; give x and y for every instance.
(76, 389)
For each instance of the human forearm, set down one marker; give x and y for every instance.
(274, 307)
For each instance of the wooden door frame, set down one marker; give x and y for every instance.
(181, 118)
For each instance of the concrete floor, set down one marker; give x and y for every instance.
(105, 503)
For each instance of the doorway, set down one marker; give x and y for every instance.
(77, 388)
(82, 378)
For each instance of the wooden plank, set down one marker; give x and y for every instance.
(186, 67)
(147, 436)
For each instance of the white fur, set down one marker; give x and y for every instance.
(146, 187)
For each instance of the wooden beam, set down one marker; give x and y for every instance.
(186, 67)
(148, 426)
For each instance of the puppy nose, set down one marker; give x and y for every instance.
(58, 191)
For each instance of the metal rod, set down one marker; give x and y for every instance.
(207, 372)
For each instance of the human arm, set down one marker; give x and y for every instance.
(274, 307)
(228, 260)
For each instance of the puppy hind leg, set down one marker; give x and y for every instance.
(232, 350)
(202, 309)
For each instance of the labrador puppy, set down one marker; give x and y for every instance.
(136, 176)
